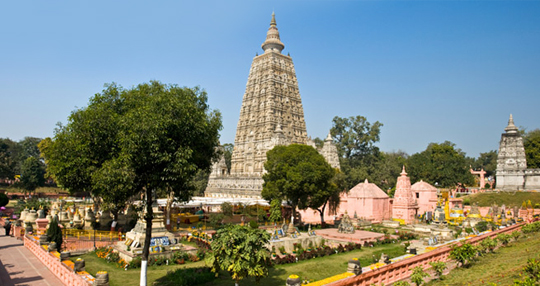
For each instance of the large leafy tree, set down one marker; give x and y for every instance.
(487, 161)
(8, 160)
(531, 142)
(32, 174)
(131, 142)
(241, 251)
(298, 174)
(440, 163)
(355, 138)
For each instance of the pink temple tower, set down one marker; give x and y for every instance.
(405, 206)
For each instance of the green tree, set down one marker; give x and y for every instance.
(464, 253)
(227, 209)
(275, 210)
(299, 174)
(486, 161)
(488, 244)
(438, 267)
(440, 163)
(4, 200)
(241, 251)
(531, 142)
(32, 174)
(8, 158)
(227, 153)
(388, 169)
(54, 234)
(355, 136)
(153, 137)
(329, 196)
(418, 274)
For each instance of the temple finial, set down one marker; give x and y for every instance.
(403, 173)
(511, 128)
(272, 43)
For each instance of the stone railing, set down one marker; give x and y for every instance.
(403, 269)
(63, 272)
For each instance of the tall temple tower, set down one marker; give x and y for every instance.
(271, 114)
(405, 205)
(511, 160)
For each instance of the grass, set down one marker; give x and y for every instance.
(510, 199)
(313, 269)
(501, 268)
(121, 277)
(317, 268)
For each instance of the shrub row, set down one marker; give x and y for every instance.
(317, 252)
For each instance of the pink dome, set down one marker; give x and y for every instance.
(423, 187)
(366, 190)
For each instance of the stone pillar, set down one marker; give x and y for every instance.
(79, 265)
(102, 279)
(354, 266)
(294, 280)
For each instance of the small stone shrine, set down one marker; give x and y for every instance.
(346, 225)
(162, 240)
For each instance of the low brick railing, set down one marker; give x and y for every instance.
(63, 272)
(403, 269)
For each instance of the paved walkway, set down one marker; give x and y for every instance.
(18, 266)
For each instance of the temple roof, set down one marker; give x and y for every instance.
(272, 42)
(511, 128)
(423, 187)
(366, 190)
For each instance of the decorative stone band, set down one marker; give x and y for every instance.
(62, 271)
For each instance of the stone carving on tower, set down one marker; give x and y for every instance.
(271, 114)
(405, 205)
(511, 161)
(329, 152)
(512, 173)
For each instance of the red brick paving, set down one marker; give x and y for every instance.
(18, 266)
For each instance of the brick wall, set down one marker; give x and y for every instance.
(64, 273)
(403, 269)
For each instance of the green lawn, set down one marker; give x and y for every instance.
(121, 277)
(501, 268)
(317, 268)
(507, 198)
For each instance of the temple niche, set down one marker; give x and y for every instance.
(512, 173)
(271, 115)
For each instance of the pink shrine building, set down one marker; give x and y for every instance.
(366, 200)
(426, 196)
(405, 206)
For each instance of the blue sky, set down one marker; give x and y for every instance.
(430, 71)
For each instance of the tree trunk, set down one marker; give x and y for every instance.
(148, 236)
(114, 212)
(170, 200)
(321, 212)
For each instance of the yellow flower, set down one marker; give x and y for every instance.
(293, 276)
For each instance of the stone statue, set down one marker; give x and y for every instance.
(346, 225)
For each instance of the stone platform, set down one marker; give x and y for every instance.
(360, 236)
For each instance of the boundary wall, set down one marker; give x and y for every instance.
(403, 269)
(64, 273)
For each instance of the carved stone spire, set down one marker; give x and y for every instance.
(272, 43)
(271, 114)
(405, 205)
(511, 128)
